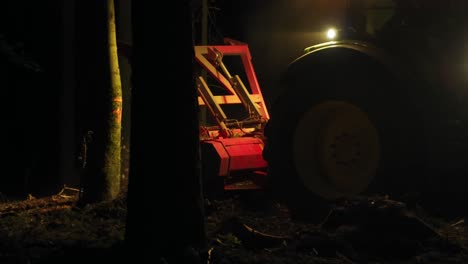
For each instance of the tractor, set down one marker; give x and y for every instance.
(378, 110)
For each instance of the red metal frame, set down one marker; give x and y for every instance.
(205, 55)
(237, 157)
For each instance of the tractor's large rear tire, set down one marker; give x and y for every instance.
(342, 127)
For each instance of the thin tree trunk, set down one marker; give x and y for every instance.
(113, 151)
(100, 101)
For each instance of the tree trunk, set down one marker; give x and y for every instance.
(100, 100)
(165, 209)
(113, 150)
(124, 43)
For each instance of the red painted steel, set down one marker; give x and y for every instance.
(244, 153)
(238, 159)
(237, 154)
(203, 55)
(223, 156)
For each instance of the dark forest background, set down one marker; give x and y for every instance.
(52, 63)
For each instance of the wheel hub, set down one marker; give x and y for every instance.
(345, 149)
(336, 149)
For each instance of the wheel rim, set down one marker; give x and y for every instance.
(336, 149)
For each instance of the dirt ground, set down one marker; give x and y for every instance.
(241, 228)
(54, 229)
(250, 229)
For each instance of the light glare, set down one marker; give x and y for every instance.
(331, 33)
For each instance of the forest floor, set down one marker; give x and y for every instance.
(372, 230)
(53, 228)
(241, 228)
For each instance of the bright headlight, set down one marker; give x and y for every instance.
(331, 33)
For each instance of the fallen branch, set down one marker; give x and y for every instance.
(459, 222)
(256, 232)
(252, 238)
(344, 258)
(51, 203)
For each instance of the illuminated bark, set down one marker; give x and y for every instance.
(113, 151)
(102, 101)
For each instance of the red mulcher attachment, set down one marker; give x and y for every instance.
(231, 150)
